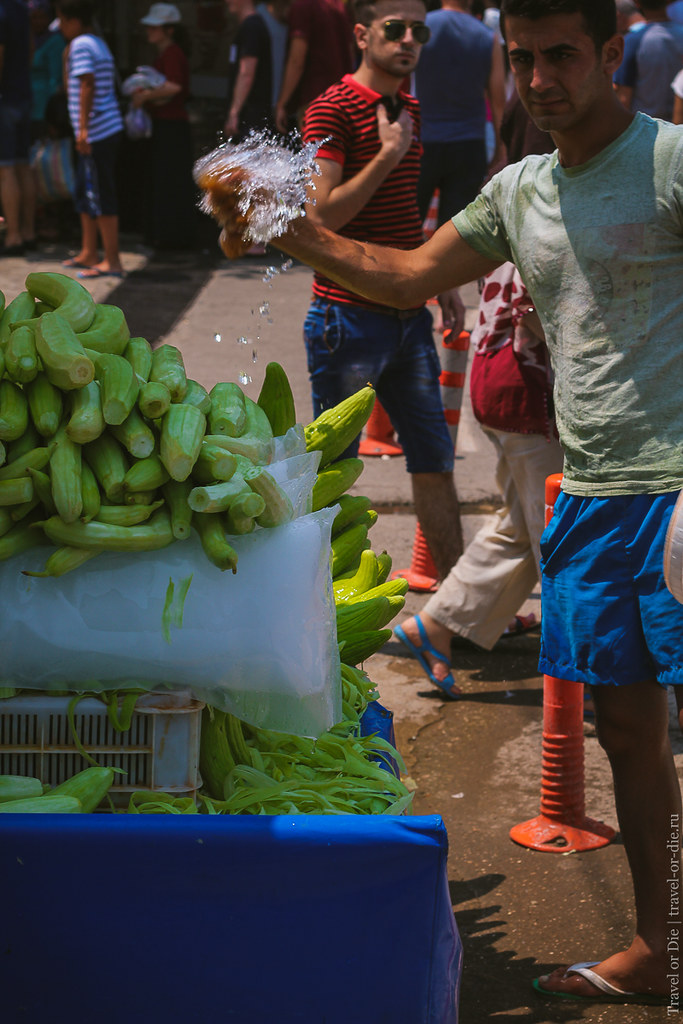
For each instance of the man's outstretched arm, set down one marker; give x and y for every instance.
(394, 277)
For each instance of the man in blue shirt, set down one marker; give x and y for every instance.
(460, 68)
(652, 59)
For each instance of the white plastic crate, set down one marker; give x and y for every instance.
(160, 750)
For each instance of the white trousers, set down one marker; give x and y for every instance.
(500, 567)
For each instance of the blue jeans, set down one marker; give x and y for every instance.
(349, 346)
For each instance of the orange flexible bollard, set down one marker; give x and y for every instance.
(562, 825)
(429, 226)
(379, 434)
(454, 353)
(422, 575)
(431, 221)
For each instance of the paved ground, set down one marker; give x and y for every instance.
(476, 762)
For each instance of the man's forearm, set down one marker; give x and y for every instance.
(393, 277)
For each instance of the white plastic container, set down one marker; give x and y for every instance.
(160, 751)
(673, 552)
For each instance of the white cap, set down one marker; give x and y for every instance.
(161, 14)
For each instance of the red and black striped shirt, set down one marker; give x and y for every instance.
(345, 116)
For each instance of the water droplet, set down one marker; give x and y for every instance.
(287, 265)
(254, 357)
(264, 308)
(244, 378)
(243, 341)
(217, 337)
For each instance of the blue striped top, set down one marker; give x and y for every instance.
(90, 55)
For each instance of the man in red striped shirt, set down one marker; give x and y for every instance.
(369, 158)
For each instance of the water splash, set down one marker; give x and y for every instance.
(269, 177)
(243, 341)
(245, 378)
(217, 337)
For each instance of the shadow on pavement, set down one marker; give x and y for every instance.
(154, 297)
(157, 295)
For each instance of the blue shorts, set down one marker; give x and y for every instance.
(348, 347)
(607, 614)
(15, 133)
(104, 154)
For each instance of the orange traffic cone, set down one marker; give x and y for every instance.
(562, 825)
(379, 434)
(422, 575)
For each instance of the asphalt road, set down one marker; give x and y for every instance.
(477, 762)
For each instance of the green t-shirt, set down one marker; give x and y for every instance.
(600, 249)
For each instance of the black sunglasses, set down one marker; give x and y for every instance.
(395, 30)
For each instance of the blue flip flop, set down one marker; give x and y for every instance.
(444, 684)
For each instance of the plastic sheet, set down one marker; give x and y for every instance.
(260, 644)
(293, 920)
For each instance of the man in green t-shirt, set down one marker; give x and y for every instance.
(596, 231)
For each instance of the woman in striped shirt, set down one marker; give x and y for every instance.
(97, 124)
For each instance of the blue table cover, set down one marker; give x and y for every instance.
(204, 919)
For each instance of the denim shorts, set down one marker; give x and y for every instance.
(15, 133)
(607, 614)
(348, 347)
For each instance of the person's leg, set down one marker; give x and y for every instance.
(108, 226)
(497, 570)
(632, 726)
(438, 513)
(532, 459)
(88, 254)
(610, 621)
(409, 391)
(339, 359)
(104, 154)
(27, 203)
(10, 200)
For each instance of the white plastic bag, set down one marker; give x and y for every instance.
(261, 643)
(138, 123)
(144, 77)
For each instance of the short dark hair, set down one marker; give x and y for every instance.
(365, 11)
(599, 16)
(83, 10)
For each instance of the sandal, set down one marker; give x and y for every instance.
(447, 683)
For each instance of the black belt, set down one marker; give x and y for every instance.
(398, 314)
